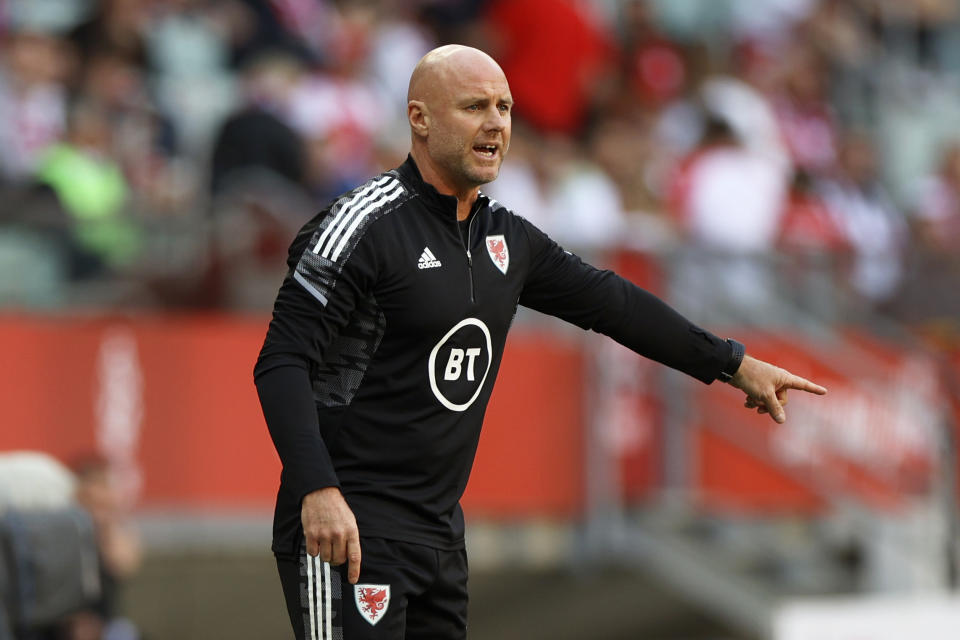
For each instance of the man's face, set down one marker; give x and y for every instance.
(470, 124)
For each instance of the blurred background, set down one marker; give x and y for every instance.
(783, 171)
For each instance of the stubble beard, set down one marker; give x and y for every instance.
(455, 157)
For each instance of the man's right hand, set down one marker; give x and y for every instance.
(331, 531)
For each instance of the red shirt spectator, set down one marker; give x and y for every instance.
(807, 223)
(655, 66)
(552, 54)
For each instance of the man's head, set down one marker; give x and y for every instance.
(458, 105)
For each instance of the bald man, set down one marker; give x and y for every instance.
(386, 338)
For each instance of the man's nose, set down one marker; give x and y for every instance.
(496, 120)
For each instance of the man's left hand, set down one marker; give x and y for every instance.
(766, 387)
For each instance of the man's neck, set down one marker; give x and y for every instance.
(465, 197)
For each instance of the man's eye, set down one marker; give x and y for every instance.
(473, 107)
(504, 108)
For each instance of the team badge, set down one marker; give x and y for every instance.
(497, 248)
(372, 601)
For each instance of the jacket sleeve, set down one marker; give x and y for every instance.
(314, 303)
(562, 285)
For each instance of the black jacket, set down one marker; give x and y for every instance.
(387, 335)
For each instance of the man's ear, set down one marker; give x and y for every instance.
(419, 117)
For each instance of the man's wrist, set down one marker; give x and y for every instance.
(737, 351)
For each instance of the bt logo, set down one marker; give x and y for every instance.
(454, 367)
(457, 367)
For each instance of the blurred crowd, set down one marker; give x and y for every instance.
(67, 545)
(161, 153)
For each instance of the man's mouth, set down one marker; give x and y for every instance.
(486, 150)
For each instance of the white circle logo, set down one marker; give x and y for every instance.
(461, 357)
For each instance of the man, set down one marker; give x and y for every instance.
(385, 341)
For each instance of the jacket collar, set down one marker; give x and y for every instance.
(433, 199)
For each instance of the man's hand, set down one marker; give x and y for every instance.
(766, 387)
(330, 529)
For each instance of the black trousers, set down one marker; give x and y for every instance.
(405, 592)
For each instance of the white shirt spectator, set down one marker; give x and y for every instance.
(586, 211)
(749, 114)
(875, 231)
(735, 201)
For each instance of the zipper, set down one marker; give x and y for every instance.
(473, 288)
(473, 292)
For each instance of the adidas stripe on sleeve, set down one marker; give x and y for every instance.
(340, 230)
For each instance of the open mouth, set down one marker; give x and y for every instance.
(486, 150)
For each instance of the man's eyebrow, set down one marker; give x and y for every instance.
(469, 100)
(480, 98)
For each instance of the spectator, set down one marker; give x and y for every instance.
(627, 152)
(741, 98)
(188, 45)
(806, 118)
(840, 32)
(91, 187)
(936, 211)
(33, 101)
(67, 521)
(654, 66)
(295, 27)
(396, 45)
(727, 197)
(260, 182)
(622, 87)
(556, 58)
(807, 224)
(767, 24)
(585, 206)
(837, 29)
(563, 190)
(257, 135)
(868, 218)
(524, 177)
(118, 26)
(120, 554)
(34, 480)
(341, 112)
(144, 142)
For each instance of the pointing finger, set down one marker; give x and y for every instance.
(796, 382)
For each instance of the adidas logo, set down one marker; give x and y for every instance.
(428, 260)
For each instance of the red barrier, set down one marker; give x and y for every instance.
(171, 400)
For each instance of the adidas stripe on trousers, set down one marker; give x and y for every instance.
(427, 594)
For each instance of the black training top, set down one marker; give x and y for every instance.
(387, 335)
